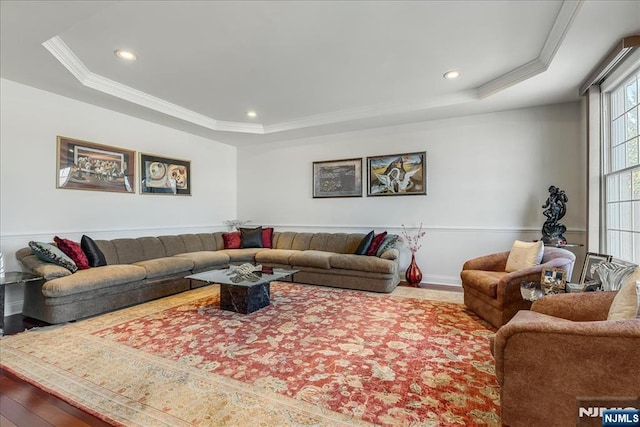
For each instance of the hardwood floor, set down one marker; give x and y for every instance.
(24, 405)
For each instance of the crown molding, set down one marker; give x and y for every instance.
(561, 25)
(569, 9)
(59, 49)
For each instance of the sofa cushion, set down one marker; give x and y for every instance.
(251, 237)
(363, 247)
(165, 266)
(302, 241)
(376, 243)
(74, 251)
(241, 255)
(275, 256)
(94, 278)
(192, 243)
(206, 259)
(172, 245)
(152, 247)
(95, 256)
(42, 268)
(389, 242)
(482, 281)
(129, 250)
(49, 253)
(524, 255)
(317, 259)
(267, 237)
(626, 304)
(232, 240)
(362, 263)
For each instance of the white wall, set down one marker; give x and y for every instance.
(488, 176)
(33, 209)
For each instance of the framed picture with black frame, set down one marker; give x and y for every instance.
(164, 175)
(337, 178)
(591, 259)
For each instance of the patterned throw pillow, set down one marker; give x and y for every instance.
(73, 251)
(50, 253)
(524, 255)
(388, 243)
(232, 240)
(94, 255)
(375, 243)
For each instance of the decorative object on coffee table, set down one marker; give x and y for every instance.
(413, 273)
(555, 208)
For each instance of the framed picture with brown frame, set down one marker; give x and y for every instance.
(397, 174)
(591, 259)
(337, 178)
(164, 175)
(83, 165)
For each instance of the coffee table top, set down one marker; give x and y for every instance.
(228, 276)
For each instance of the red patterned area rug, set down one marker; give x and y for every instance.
(316, 356)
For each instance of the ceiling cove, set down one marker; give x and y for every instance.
(61, 51)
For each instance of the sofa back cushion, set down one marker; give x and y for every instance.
(192, 242)
(301, 241)
(128, 250)
(151, 248)
(284, 239)
(173, 245)
(108, 249)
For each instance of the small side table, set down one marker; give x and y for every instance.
(13, 278)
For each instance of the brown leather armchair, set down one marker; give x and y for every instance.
(562, 350)
(494, 294)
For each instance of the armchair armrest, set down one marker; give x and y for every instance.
(581, 307)
(510, 284)
(491, 262)
(533, 343)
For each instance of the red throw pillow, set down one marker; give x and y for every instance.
(74, 251)
(375, 243)
(267, 237)
(232, 240)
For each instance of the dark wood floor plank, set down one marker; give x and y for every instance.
(4, 422)
(19, 415)
(38, 403)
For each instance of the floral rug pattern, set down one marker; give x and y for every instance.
(330, 356)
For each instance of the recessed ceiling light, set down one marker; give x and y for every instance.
(453, 74)
(252, 114)
(125, 54)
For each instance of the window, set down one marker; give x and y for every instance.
(622, 169)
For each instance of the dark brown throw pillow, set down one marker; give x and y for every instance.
(251, 237)
(94, 254)
(363, 247)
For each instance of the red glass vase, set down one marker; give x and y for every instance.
(413, 274)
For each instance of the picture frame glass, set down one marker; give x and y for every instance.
(337, 178)
(397, 174)
(164, 175)
(589, 275)
(83, 165)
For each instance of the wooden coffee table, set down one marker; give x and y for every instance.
(243, 293)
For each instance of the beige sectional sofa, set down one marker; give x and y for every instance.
(145, 268)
